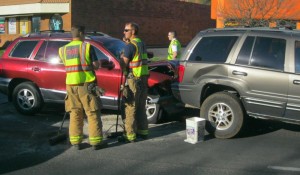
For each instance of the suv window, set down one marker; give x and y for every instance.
(267, 52)
(99, 54)
(23, 49)
(297, 56)
(51, 53)
(213, 49)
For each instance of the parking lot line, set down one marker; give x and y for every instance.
(282, 168)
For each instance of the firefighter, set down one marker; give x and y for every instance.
(135, 68)
(174, 50)
(80, 62)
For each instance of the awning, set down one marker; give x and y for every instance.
(36, 8)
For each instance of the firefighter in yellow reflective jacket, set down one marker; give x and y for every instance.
(80, 62)
(135, 68)
(174, 50)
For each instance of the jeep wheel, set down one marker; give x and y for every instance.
(152, 109)
(27, 99)
(224, 114)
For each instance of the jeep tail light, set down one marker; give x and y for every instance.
(181, 69)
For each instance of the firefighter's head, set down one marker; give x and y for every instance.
(131, 30)
(77, 31)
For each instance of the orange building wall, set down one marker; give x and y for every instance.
(291, 12)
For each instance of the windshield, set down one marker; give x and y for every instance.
(114, 45)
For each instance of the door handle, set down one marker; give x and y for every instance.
(239, 73)
(296, 82)
(36, 69)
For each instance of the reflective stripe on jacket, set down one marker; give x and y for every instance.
(76, 57)
(139, 63)
(170, 50)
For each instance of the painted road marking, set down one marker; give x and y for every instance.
(284, 168)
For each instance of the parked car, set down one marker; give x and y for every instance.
(231, 74)
(32, 74)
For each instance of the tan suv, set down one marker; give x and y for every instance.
(231, 74)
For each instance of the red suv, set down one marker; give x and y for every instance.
(32, 74)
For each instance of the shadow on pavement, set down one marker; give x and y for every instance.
(24, 139)
(257, 127)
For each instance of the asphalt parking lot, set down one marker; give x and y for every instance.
(24, 149)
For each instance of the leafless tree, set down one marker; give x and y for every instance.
(254, 13)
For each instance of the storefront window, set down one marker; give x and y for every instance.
(12, 26)
(23, 25)
(36, 24)
(2, 25)
(56, 22)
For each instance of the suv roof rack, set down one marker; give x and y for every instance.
(56, 33)
(48, 33)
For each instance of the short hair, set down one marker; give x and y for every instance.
(135, 27)
(174, 33)
(79, 29)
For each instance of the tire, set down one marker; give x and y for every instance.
(27, 99)
(153, 110)
(220, 124)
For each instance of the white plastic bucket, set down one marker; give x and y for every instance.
(195, 130)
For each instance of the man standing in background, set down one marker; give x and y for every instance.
(174, 50)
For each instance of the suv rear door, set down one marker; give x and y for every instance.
(48, 71)
(260, 69)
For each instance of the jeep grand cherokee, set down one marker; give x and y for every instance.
(231, 74)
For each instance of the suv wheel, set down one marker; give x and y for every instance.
(27, 99)
(224, 114)
(152, 110)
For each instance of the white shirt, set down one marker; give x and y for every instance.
(174, 46)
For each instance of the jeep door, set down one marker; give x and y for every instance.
(260, 70)
(48, 71)
(293, 105)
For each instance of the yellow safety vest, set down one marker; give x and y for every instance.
(139, 63)
(76, 57)
(170, 50)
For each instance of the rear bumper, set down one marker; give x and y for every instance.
(170, 104)
(4, 83)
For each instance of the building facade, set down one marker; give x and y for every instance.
(155, 17)
(267, 13)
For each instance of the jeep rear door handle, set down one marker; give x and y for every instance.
(36, 69)
(297, 82)
(239, 73)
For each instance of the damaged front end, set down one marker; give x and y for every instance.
(162, 74)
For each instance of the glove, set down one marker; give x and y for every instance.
(95, 90)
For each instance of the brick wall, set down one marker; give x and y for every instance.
(155, 17)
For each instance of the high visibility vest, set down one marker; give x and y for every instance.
(170, 50)
(76, 57)
(139, 63)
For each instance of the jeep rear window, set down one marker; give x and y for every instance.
(213, 49)
(23, 49)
